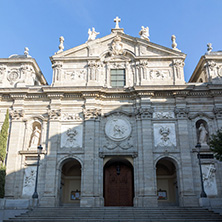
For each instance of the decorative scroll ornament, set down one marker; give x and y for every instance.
(92, 114)
(118, 129)
(17, 114)
(71, 116)
(117, 47)
(181, 112)
(144, 113)
(54, 114)
(163, 115)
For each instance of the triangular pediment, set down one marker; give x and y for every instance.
(135, 46)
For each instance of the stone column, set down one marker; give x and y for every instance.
(147, 189)
(187, 195)
(90, 173)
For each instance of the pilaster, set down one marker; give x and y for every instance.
(188, 197)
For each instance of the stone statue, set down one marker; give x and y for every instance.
(144, 33)
(61, 45)
(202, 134)
(92, 34)
(35, 137)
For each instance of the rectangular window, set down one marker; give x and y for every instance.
(117, 77)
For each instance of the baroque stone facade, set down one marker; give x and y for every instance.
(138, 136)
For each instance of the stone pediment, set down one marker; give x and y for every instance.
(113, 44)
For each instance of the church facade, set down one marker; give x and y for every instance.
(118, 125)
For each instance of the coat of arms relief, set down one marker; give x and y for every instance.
(118, 131)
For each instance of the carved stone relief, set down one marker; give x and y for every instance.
(91, 114)
(164, 135)
(117, 128)
(218, 112)
(54, 114)
(57, 71)
(94, 70)
(29, 181)
(178, 65)
(78, 74)
(143, 113)
(181, 113)
(163, 115)
(17, 114)
(118, 132)
(209, 178)
(13, 76)
(71, 136)
(159, 74)
(2, 72)
(117, 47)
(71, 116)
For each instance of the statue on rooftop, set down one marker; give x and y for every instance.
(92, 34)
(144, 33)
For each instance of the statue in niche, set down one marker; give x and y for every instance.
(203, 134)
(35, 137)
(71, 140)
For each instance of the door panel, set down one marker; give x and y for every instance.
(118, 185)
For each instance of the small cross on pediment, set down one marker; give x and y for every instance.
(117, 20)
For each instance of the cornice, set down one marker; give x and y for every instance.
(110, 93)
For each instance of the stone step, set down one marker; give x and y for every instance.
(115, 214)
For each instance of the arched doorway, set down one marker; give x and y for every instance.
(118, 183)
(167, 183)
(70, 182)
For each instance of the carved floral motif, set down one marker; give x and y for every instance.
(181, 112)
(144, 113)
(17, 114)
(163, 115)
(54, 114)
(71, 116)
(92, 114)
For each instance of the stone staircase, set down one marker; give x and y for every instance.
(117, 214)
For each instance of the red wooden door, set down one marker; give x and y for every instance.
(118, 185)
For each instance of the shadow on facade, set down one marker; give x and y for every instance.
(125, 157)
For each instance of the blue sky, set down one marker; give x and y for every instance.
(39, 24)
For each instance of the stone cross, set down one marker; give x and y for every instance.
(117, 20)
